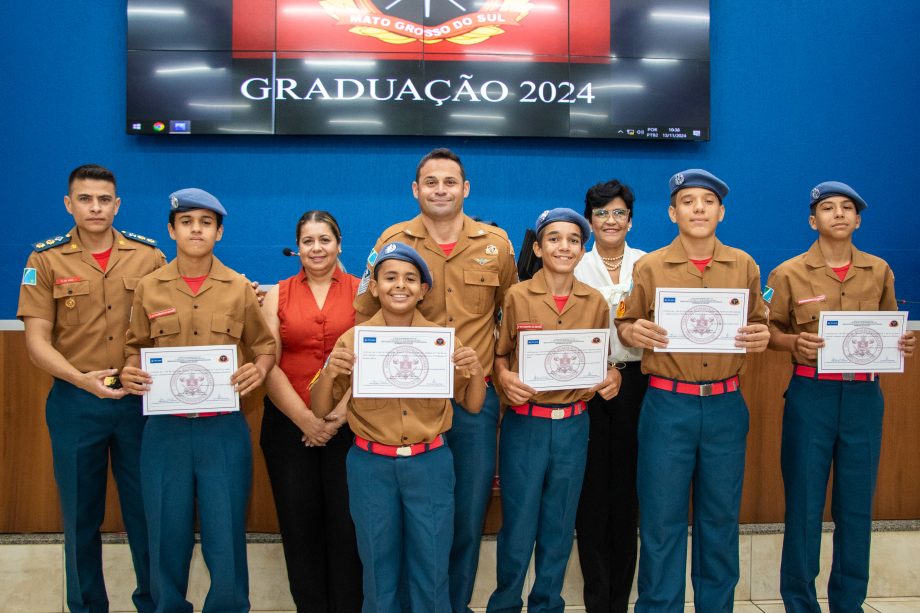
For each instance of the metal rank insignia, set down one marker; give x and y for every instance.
(70, 303)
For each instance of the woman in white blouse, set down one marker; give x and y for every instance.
(608, 510)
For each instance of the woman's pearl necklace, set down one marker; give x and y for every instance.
(613, 263)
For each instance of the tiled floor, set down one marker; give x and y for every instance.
(873, 605)
(32, 577)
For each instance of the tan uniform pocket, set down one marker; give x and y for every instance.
(73, 302)
(225, 330)
(479, 290)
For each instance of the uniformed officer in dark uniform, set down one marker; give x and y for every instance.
(75, 301)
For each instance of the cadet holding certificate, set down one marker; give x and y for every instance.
(400, 468)
(833, 412)
(544, 434)
(202, 457)
(694, 422)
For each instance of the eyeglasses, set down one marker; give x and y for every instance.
(618, 214)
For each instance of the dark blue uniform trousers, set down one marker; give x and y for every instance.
(472, 440)
(687, 439)
(542, 466)
(85, 432)
(211, 458)
(825, 422)
(403, 510)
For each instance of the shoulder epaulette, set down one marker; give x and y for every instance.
(139, 238)
(51, 242)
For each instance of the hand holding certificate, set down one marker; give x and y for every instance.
(394, 362)
(562, 359)
(701, 320)
(190, 379)
(861, 341)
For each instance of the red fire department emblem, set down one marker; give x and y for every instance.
(397, 22)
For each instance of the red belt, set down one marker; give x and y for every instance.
(714, 388)
(393, 451)
(812, 373)
(205, 414)
(550, 411)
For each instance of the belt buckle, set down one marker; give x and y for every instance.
(849, 376)
(405, 451)
(557, 414)
(705, 389)
(192, 415)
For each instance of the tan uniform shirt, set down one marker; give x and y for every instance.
(88, 308)
(805, 285)
(670, 267)
(469, 285)
(397, 421)
(529, 305)
(225, 311)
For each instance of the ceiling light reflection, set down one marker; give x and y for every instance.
(677, 16)
(189, 68)
(151, 11)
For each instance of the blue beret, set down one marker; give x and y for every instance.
(193, 198)
(564, 214)
(405, 253)
(697, 177)
(835, 188)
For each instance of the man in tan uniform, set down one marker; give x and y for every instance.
(75, 301)
(472, 265)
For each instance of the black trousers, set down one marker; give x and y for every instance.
(311, 496)
(608, 511)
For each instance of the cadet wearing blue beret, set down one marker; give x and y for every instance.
(697, 177)
(400, 469)
(193, 198)
(829, 419)
(828, 189)
(205, 461)
(405, 253)
(543, 443)
(694, 422)
(563, 214)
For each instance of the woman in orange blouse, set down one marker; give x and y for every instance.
(305, 455)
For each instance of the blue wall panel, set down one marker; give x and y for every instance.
(801, 92)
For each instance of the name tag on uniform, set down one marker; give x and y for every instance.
(63, 281)
(530, 326)
(821, 298)
(168, 311)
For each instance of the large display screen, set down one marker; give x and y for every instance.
(635, 69)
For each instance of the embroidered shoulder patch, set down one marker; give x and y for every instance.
(50, 242)
(767, 294)
(365, 280)
(29, 276)
(139, 238)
